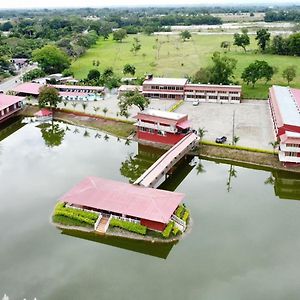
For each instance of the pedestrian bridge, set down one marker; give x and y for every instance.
(157, 173)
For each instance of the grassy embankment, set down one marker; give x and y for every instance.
(112, 126)
(178, 59)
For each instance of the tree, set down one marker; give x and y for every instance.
(93, 74)
(201, 133)
(132, 98)
(185, 35)
(274, 145)
(225, 45)
(108, 72)
(119, 35)
(242, 40)
(222, 69)
(136, 46)
(202, 75)
(49, 96)
(235, 139)
(262, 37)
(129, 69)
(293, 43)
(257, 70)
(51, 59)
(289, 74)
(105, 110)
(33, 74)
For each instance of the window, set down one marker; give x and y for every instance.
(152, 131)
(160, 132)
(213, 97)
(293, 145)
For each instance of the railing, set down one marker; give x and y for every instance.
(98, 222)
(156, 126)
(82, 209)
(126, 219)
(107, 223)
(180, 223)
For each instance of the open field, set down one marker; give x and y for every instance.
(175, 58)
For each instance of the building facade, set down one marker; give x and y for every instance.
(9, 106)
(285, 110)
(180, 89)
(162, 126)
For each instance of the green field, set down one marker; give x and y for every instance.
(179, 59)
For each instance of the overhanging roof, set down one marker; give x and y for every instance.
(8, 100)
(124, 198)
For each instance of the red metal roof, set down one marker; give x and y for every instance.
(124, 198)
(44, 112)
(28, 88)
(184, 124)
(7, 100)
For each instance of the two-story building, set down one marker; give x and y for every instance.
(164, 88)
(285, 109)
(162, 126)
(9, 106)
(180, 89)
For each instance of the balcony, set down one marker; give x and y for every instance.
(170, 129)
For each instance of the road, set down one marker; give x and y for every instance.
(12, 82)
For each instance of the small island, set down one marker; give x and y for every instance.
(120, 209)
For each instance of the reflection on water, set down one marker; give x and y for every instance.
(160, 250)
(232, 173)
(286, 184)
(53, 134)
(9, 127)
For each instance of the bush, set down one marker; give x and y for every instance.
(168, 229)
(185, 215)
(68, 222)
(75, 214)
(176, 230)
(179, 211)
(176, 106)
(133, 227)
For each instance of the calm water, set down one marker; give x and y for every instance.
(245, 241)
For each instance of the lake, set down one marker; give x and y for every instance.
(244, 242)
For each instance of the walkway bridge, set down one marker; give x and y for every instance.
(157, 173)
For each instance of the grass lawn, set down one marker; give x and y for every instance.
(178, 59)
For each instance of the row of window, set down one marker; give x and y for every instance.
(166, 96)
(293, 154)
(293, 145)
(204, 91)
(8, 109)
(152, 131)
(162, 87)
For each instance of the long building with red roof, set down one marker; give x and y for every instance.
(9, 106)
(151, 207)
(285, 108)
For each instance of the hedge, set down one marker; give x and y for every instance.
(176, 106)
(68, 222)
(176, 230)
(238, 147)
(75, 214)
(130, 226)
(168, 229)
(179, 211)
(185, 215)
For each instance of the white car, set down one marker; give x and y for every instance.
(196, 103)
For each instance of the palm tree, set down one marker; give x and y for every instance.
(74, 104)
(274, 145)
(201, 132)
(235, 139)
(65, 103)
(96, 108)
(84, 106)
(105, 110)
(200, 168)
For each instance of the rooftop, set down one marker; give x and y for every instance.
(288, 101)
(163, 114)
(28, 88)
(78, 87)
(7, 100)
(166, 81)
(124, 198)
(213, 85)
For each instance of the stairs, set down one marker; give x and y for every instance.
(102, 227)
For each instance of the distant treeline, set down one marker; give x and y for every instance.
(289, 16)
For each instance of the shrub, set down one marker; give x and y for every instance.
(176, 230)
(68, 222)
(179, 211)
(168, 229)
(185, 215)
(133, 227)
(75, 214)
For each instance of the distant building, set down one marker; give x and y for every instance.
(162, 126)
(164, 88)
(127, 88)
(285, 108)
(20, 62)
(67, 92)
(9, 106)
(180, 89)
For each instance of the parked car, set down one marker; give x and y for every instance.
(221, 140)
(196, 103)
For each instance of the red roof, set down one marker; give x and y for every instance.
(296, 94)
(184, 124)
(78, 87)
(30, 88)
(44, 112)
(7, 100)
(124, 198)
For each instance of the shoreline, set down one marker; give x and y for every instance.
(208, 151)
(124, 234)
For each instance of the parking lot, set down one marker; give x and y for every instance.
(252, 121)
